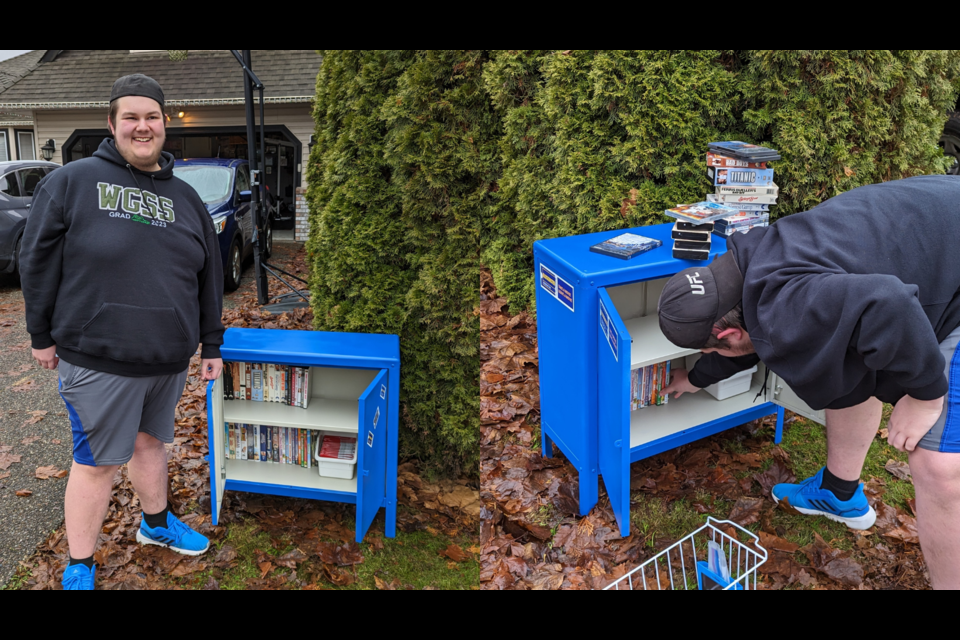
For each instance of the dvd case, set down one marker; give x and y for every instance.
(626, 246)
(718, 160)
(700, 212)
(735, 202)
(683, 234)
(741, 177)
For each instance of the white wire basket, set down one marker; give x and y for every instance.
(684, 564)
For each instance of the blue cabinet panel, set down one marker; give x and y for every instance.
(613, 370)
(371, 469)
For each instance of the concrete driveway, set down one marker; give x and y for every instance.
(36, 438)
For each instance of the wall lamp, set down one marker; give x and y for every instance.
(48, 149)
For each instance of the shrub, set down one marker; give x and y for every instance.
(400, 180)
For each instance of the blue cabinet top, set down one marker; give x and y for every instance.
(573, 252)
(316, 348)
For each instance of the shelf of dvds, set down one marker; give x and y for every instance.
(591, 311)
(353, 388)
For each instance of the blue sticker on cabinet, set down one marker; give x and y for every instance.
(565, 293)
(383, 391)
(609, 331)
(369, 438)
(548, 281)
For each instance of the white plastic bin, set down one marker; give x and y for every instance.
(732, 386)
(331, 467)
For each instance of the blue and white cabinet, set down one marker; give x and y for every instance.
(590, 339)
(354, 387)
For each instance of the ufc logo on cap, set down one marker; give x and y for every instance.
(696, 285)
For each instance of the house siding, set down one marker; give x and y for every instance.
(60, 124)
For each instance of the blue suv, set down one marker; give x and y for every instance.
(224, 187)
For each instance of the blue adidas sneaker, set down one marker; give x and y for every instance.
(77, 577)
(809, 499)
(176, 535)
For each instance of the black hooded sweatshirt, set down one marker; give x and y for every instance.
(851, 299)
(120, 268)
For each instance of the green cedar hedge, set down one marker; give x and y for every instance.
(599, 140)
(400, 177)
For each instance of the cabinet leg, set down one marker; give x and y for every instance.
(589, 491)
(546, 444)
(778, 435)
(390, 529)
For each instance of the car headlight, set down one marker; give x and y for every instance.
(220, 223)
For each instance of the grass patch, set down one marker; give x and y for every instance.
(411, 559)
(414, 559)
(655, 518)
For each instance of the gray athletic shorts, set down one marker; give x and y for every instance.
(945, 434)
(107, 411)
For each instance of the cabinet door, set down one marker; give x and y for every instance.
(785, 397)
(215, 442)
(372, 459)
(613, 379)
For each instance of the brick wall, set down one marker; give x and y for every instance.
(301, 228)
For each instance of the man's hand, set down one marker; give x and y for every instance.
(911, 420)
(210, 368)
(679, 384)
(46, 358)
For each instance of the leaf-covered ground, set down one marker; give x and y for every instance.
(267, 542)
(531, 535)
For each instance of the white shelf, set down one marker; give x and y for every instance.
(650, 346)
(689, 410)
(287, 475)
(321, 413)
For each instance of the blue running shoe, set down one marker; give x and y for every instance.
(175, 535)
(77, 577)
(809, 499)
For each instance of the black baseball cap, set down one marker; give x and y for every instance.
(137, 84)
(694, 299)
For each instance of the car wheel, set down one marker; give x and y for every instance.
(268, 241)
(231, 279)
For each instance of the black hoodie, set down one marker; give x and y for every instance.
(851, 299)
(120, 268)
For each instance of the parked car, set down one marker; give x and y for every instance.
(224, 187)
(18, 181)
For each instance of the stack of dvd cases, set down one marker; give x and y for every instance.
(691, 234)
(743, 181)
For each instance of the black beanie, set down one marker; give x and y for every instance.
(137, 84)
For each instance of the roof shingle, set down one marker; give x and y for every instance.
(88, 75)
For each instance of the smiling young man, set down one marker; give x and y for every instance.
(122, 280)
(853, 303)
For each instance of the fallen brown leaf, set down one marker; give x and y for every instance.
(455, 553)
(746, 510)
(24, 493)
(898, 469)
(45, 473)
(7, 459)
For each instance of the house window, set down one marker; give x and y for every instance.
(26, 150)
(4, 156)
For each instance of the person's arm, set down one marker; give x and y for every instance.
(41, 257)
(713, 367)
(211, 306)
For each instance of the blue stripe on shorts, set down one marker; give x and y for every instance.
(81, 448)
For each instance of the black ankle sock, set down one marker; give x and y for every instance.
(843, 489)
(88, 562)
(157, 519)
